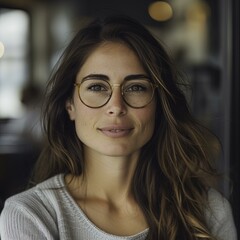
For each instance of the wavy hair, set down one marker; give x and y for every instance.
(174, 171)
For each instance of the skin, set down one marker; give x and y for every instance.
(110, 156)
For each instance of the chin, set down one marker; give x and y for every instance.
(119, 151)
(112, 149)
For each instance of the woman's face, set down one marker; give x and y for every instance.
(114, 129)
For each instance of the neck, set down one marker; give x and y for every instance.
(107, 177)
(104, 194)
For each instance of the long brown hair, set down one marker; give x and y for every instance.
(172, 177)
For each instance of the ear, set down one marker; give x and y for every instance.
(70, 109)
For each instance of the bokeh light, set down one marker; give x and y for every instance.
(160, 11)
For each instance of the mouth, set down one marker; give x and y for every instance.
(115, 132)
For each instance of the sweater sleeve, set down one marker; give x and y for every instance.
(28, 222)
(220, 218)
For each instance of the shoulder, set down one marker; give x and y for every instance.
(34, 208)
(42, 193)
(219, 216)
(219, 205)
(40, 200)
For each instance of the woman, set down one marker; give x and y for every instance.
(125, 158)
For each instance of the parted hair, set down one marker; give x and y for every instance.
(175, 170)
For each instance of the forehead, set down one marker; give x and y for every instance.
(112, 58)
(108, 47)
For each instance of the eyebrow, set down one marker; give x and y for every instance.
(96, 76)
(106, 78)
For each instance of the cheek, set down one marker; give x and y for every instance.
(147, 120)
(81, 111)
(150, 125)
(82, 130)
(84, 123)
(82, 120)
(78, 111)
(151, 114)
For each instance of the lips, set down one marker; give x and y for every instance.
(115, 131)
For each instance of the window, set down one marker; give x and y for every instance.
(14, 67)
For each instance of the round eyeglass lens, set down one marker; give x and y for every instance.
(138, 93)
(94, 93)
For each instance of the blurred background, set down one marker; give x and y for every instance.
(202, 35)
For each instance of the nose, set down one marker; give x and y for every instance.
(116, 105)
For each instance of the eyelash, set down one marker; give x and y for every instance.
(100, 88)
(131, 88)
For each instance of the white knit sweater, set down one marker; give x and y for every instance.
(48, 212)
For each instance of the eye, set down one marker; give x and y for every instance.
(137, 87)
(97, 88)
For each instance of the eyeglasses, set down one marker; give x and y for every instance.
(95, 93)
